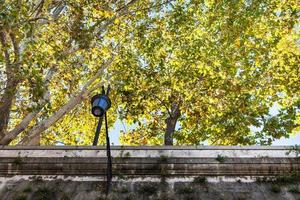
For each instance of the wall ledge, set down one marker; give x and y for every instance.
(149, 161)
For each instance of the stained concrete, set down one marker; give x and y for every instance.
(38, 189)
(237, 173)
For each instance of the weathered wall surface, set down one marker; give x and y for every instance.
(150, 173)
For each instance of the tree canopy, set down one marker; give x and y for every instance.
(183, 72)
(217, 69)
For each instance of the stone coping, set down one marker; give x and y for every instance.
(173, 161)
(150, 151)
(146, 147)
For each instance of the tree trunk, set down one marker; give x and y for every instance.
(171, 124)
(5, 106)
(8, 97)
(35, 141)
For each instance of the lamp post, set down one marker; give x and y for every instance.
(100, 104)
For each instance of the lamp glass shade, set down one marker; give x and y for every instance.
(100, 104)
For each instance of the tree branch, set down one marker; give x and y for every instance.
(6, 54)
(29, 117)
(15, 46)
(10, 88)
(65, 109)
(120, 12)
(168, 110)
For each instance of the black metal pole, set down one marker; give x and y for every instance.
(109, 163)
(96, 138)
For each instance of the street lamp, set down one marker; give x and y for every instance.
(100, 104)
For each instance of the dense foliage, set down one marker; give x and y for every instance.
(182, 72)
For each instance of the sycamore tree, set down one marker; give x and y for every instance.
(54, 55)
(215, 69)
(212, 68)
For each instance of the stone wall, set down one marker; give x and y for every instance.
(150, 173)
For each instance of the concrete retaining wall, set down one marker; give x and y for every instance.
(173, 172)
(148, 161)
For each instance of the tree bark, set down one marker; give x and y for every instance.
(171, 124)
(11, 83)
(5, 105)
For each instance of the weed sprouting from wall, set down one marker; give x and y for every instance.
(21, 197)
(295, 149)
(184, 189)
(36, 179)
(163, 159)
(28, 189)
(65, 197)
(18, 161)
(123, 190)
(131, 196)
(294, 189)
(276, 188)
(200, 180)
(44, 193)
(148, 188)
(288, 178)
(127, 155)
(221, 159)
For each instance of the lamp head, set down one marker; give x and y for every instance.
(100, 104)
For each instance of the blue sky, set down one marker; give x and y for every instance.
(114, 134)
